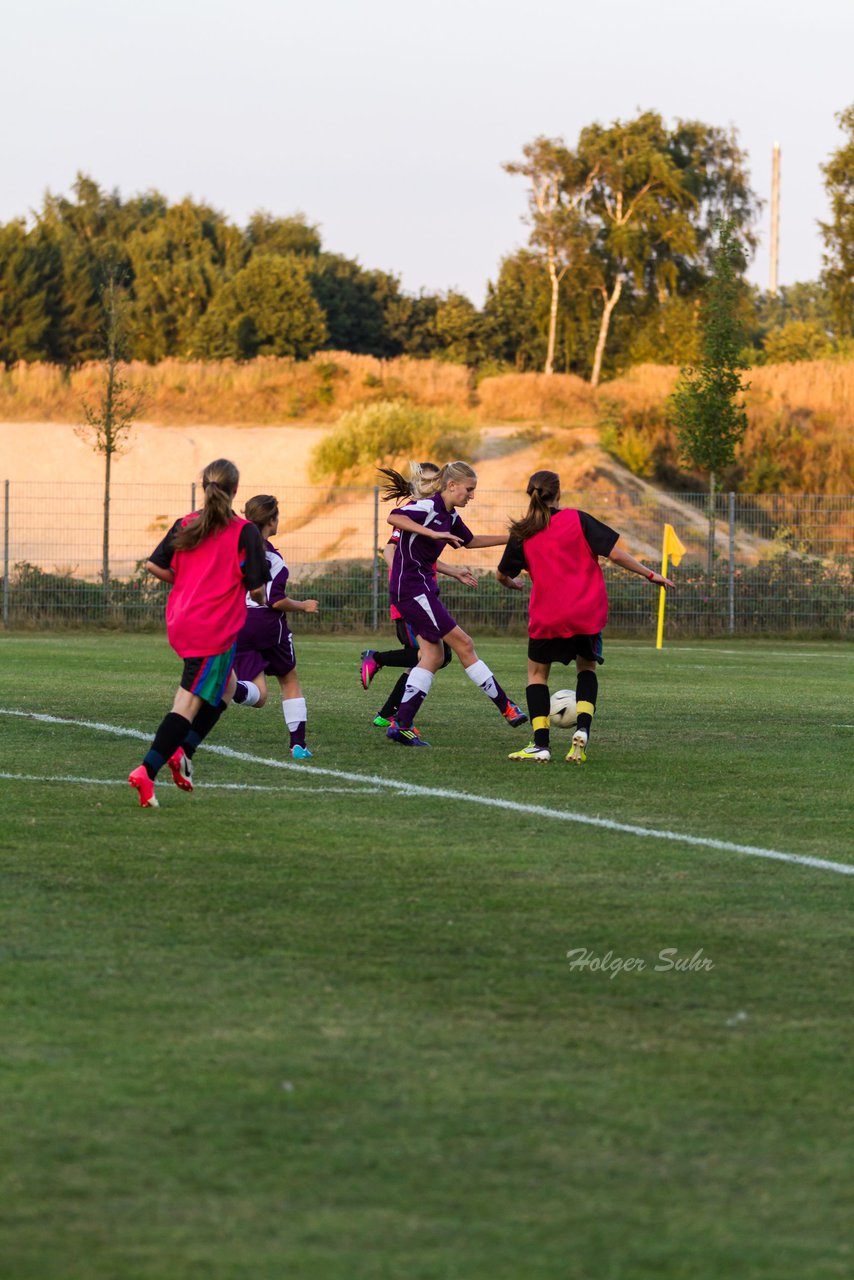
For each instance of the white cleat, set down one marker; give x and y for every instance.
(540, 755)
(578, 751)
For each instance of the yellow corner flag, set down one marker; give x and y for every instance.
(672, 547)
(675, 550)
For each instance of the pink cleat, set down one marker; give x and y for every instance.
(145, 786)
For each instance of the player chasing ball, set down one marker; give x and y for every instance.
(426, 527)
(265, 644)
(373, 660)
(211, 558)
(568, 608)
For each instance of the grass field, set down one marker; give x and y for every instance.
(328, 1028)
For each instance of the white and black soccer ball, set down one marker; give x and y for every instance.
(562, 712)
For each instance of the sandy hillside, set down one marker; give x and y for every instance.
(52, 470)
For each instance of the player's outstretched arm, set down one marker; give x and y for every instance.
(165, 575)
(512, 584)
(398, 520)
(461, 573)
(288, 605)
(625, 561)
(487, 540)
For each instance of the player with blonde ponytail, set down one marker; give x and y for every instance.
(212, 558)
(427, 525)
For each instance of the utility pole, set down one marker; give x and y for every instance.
(775, 219)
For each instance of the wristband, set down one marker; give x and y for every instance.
(651, 575)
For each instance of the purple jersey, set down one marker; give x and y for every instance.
(413, 571)
(277, 586)
(265, 642)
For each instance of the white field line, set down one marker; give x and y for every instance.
(467, 797)
(728, 653)
(199, 786)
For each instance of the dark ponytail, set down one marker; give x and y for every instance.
(544, 491)
(219, 481)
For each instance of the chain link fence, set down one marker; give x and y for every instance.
(782, 564)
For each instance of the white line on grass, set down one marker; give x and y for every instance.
(491, 802)
(199, 786)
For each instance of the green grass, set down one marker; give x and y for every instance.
(302, 1033)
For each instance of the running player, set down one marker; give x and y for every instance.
(265, 645)
(373, 660)
(568, 608)
(427, 525)
(212, 558)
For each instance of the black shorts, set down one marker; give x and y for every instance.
(566, 649)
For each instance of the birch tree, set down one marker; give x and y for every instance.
(638, 204)
(560, 184)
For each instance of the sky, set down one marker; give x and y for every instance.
(387, 122)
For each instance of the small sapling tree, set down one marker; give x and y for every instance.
(108, 421)
(705, 406)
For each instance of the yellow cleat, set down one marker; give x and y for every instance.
(577, 753)
(540, 755)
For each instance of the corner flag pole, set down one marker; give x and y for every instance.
(672, 547)
(659, 641)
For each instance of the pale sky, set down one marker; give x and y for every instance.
(386, 122)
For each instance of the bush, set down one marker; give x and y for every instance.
(388, 431)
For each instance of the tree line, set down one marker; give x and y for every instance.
(620, 239)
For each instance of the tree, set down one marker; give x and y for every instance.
(30, 293)
(356, 304)
(267, 309)
(268, 234)
(460, 330)
(177, 266)
(560, 182)
(710, 418)
(838, 233)
(639, 206)
(108, 423)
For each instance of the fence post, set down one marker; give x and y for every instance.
(375, 571)
(5, 553)
(732, 564)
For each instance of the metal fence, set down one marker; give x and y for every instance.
(782, 564)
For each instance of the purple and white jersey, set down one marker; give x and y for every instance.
(413, 573)
(277, 586)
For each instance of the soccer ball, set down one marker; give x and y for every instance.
(562, 711)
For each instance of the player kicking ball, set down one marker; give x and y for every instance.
(426, 528)
(568, 608)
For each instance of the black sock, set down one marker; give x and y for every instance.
(392, 702)
(537, 696)
(206, 718)
(168, 738)
(586, 689)
(406, 657)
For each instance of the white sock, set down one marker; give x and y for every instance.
(419, 680)
(253, 694)
(294, 711)
(480, 673)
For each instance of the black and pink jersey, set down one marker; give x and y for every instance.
(413, 571)
(568, 595)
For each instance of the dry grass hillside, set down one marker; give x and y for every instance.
(800, 438)
(613, 448)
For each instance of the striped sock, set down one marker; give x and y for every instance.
(537, 696)
(480, 673)
(418, 684)
(586, 689)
